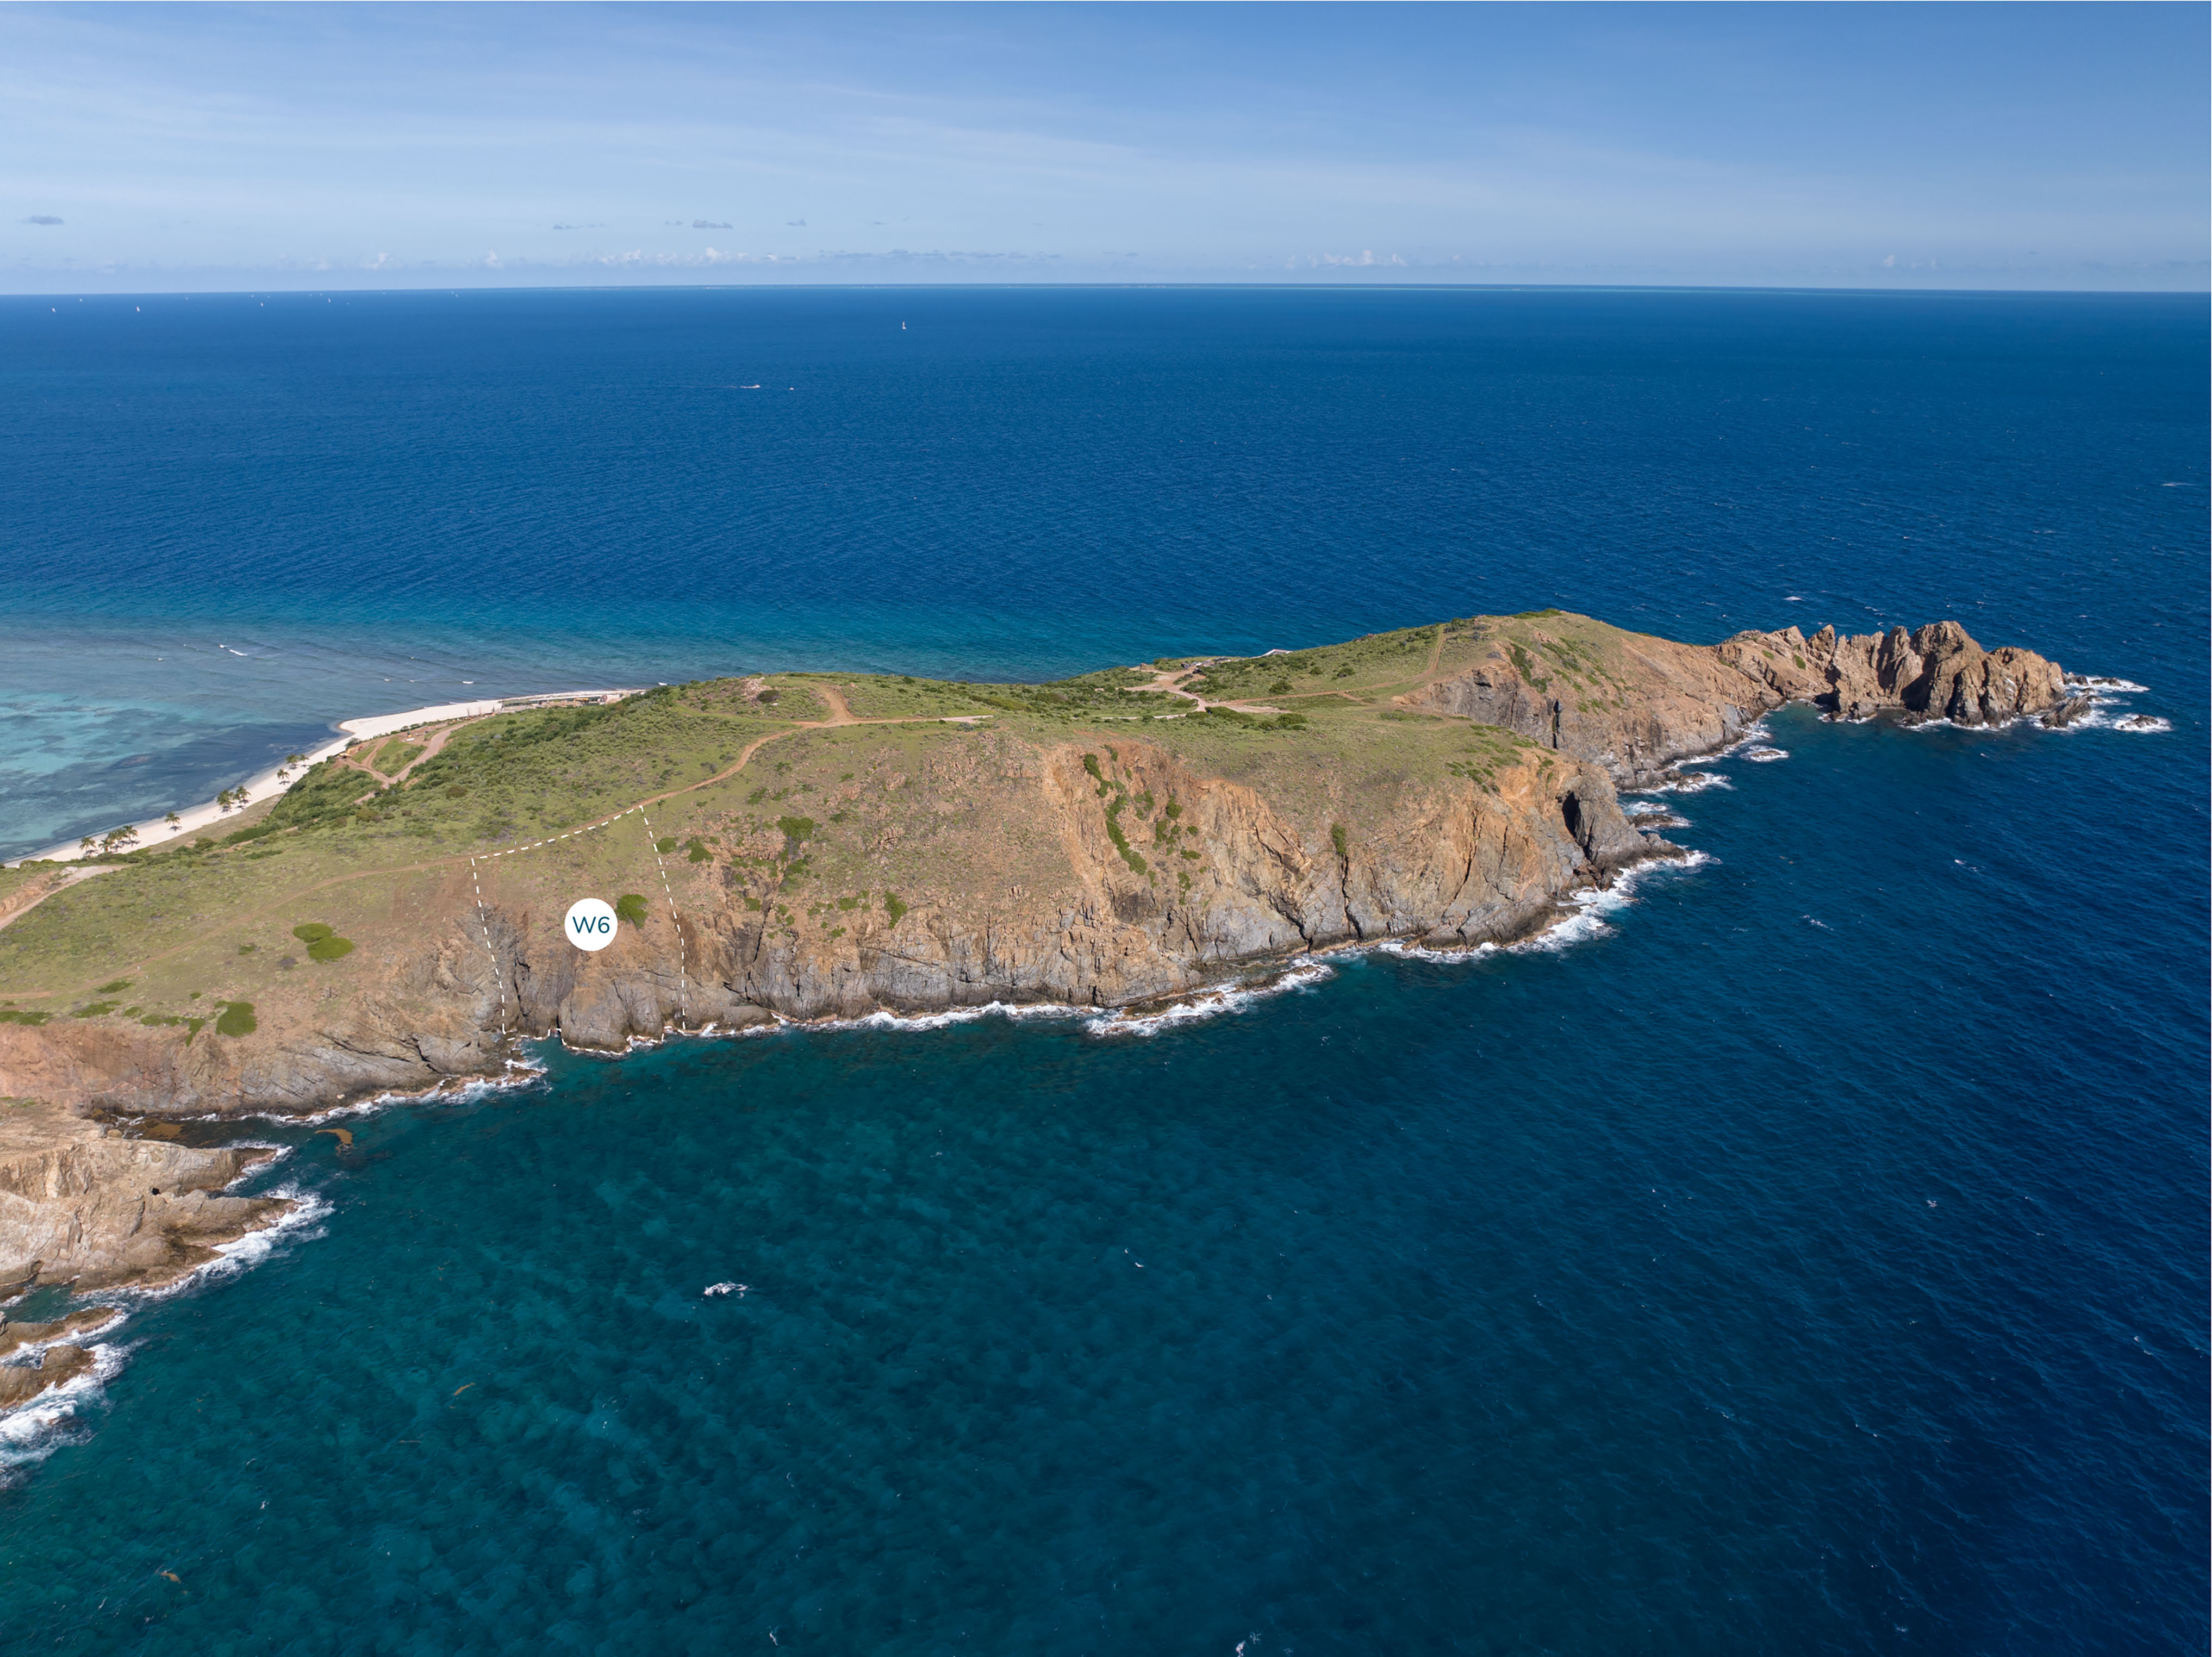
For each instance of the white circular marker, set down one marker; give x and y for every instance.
(590, 924)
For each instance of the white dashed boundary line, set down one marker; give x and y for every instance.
(484, 920)
(682, 949)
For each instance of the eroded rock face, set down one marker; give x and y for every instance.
(1239, 875)
(82, 1204)
(21, 1383)
(1450, 862)
(1937, 672)
(1659, 702)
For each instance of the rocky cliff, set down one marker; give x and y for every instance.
(1070, 845)
(1637, 705)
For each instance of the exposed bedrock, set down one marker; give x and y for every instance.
(1450, 862)
(83, 1203)
(1657, 702)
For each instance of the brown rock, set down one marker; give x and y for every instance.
(21, 1383)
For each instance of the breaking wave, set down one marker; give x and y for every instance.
(1302, 974)
(35, 1428)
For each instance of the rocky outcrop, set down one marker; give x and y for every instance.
(21, 1383)
(1636, 706)
(1937, 672)
(92, 1205)
(1235, 878)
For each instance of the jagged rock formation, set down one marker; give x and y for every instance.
(1637, 705)
(83, 1203)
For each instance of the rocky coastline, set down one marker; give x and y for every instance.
(1054, 897)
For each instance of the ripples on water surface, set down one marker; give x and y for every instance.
(1812, 1260)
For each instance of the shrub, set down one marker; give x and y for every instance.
(1289, 722)
(456, 790)
(698, 851)
(1280, 688)
(329, 949)
(1336, 839)
(664, 845)
(96, 1009)
(17, 1016)
(237, 1018)
(797, 830)
(312, 931)
(1344, 673)
(110, 989)
(631, 907)
(894, 908)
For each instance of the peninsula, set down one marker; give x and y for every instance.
(810, 845)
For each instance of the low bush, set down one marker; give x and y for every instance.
(329, 949)
(631, 907)
(237, 1018)
(310, 930)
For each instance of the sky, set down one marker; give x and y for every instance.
(194, 147)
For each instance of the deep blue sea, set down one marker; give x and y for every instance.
(1809, 1255)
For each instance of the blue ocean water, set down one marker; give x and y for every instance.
(1812, 1258)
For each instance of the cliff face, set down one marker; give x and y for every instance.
(899, 863)
(85, 1202)
(1637, 705)
(1226, 876)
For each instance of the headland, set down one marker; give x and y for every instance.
(805, 846)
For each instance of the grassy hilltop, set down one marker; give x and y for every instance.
(809, 789)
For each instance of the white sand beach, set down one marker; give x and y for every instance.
(268, 784)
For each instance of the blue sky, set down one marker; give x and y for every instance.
(320, 146)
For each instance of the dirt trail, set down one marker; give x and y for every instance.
(461, 858)
(840, 713)
(1428, 675)
(1169, 682)
(21, 901)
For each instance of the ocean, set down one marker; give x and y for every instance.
(1803, 1251)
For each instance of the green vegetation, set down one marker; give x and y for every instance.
(860, 810)
(120, 984)
(96, 1009)
(237, 1018)
(1336, 839)
(20, 1016)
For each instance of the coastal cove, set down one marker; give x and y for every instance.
(1587, 1151)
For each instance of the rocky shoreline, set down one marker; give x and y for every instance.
(1235, 874)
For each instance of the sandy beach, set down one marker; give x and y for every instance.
(267, 784)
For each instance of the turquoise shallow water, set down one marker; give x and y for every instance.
(1808, 1256)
